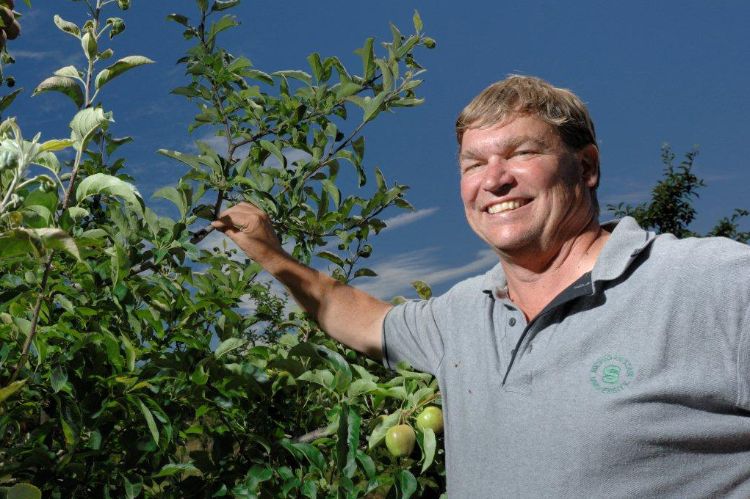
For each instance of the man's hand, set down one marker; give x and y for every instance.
(347, 314)
(250, 228)
(9, 27)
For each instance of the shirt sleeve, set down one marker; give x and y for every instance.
(412, 333)
(743, 363)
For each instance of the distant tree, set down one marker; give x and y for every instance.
(671, 209)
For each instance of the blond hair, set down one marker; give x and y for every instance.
(528, 95)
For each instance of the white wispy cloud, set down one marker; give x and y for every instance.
(396, 275)
(408, 218)
(36, 55)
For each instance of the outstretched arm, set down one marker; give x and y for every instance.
(347, 314)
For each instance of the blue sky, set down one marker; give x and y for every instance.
(651, 72)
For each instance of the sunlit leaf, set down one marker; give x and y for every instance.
(12, 388)
(100, 183)
(149, 421)
(119, 67)
(428, 447)
(64, 85)
(67, 26)
(85, 123)
(229, 345)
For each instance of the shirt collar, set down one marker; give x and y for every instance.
(627, 241)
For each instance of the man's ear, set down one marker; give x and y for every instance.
(589, 158)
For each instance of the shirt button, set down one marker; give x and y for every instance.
(512, 321)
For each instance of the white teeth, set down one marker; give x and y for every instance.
(505, 206)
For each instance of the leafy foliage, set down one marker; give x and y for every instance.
(671, 209)
(137, 360)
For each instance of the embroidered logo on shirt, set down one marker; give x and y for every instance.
(611, 373)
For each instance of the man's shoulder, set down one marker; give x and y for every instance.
(701, 250)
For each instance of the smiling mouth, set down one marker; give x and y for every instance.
(506, 206)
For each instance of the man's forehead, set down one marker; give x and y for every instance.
(501, 143)
(510, 132)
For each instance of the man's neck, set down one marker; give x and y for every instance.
(532, 286)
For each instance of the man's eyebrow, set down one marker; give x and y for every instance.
(503, 145)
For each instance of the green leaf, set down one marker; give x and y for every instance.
(190, 160)
(67, 26)
(271, 147)
(23, 491)
(387, 74)
(423, 289)
(331, 257)
(220, 5)
(348, 440)
(373, 106)
(100, 183)
(76, 212)
(58, 239)
(310, 489)
(149, 421)
(316, 66)
(7, 100)
(309, 451)
(12, 388)
(119, 67)
(294, 74)
(322, 377)
(176, 468)
(132, 490)
(367, 54)
(428, 447)
(343, 373)
(117, 26)
(130, 352)
(365, 272)
(177, 197)
(67, 86)
(222, 24)
(360, 386)
(89, 45)
(55, 145)
(332, 191)
(378, 434)
(85, 124)
(417, 22)
(178, 18)
(228, 345)
(406, 483)
(58, 379)
(20, 241)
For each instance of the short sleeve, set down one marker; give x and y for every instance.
(411, 333)
(743, 363)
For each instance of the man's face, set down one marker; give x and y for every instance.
(524, 191)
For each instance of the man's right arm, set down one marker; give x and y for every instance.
(345, 313)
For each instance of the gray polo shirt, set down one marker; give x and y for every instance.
(634, 382)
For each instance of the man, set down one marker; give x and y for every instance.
(592, 361)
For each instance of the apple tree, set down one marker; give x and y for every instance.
(137, 359)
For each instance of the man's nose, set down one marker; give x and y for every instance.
(496, 175)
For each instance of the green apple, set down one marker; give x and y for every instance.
(432, 418)
(400, 440)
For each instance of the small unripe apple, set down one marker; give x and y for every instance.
(432, 418)
(400, 440)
